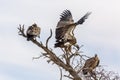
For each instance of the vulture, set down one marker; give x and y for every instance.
(64, 32)
(90, 64)
(33, 31)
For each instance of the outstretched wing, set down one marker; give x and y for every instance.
(66, 16)
(65, 19)
(82, 20)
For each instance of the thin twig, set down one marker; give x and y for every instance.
(48, 38)
(68, 77)
(60, 73)
(37, 57)
(63, 50)
(21, 30)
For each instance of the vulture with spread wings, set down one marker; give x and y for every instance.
(33, 31)
(90, 64)
(64, 31)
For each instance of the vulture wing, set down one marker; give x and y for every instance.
(89, 62)
(82, 20)
(92, 62)
(62, 27)
(29, 30)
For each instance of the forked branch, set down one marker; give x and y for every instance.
(21, 30)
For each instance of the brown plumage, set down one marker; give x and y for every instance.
(64, 33)
(90, 64)
(33, 32)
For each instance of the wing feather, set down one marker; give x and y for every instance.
(62, 27)
(92, 62)
(82, 20)
(89, 62)
(66, 25)
(66, 16)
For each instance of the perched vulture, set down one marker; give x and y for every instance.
(33, 32)
(64, 31)
(90, 64)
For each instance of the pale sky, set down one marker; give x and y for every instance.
(99, 34)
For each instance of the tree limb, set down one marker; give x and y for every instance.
(21, 30)
(60, 73)
(48, 38)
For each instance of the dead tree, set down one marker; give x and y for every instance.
(71, 63)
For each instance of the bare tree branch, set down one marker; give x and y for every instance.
(48, 38)
(37, 57)
(68, 76)
(21, 30)
(60, 73)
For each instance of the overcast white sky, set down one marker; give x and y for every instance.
(99, 34)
